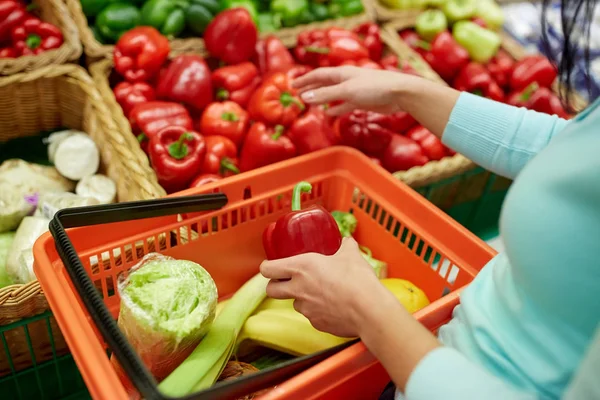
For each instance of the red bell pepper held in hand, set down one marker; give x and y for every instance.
(446, 56)
(205, 179)
(221, 156)
(366, 131)
(129, 95)
(312, 230)
(34, 37)
(370, 35)
(312, 132)
(140, 53)
(186, 80)
(532, 69)
(226, 119)
(414, 41)
(264, 146)
(402, 154)
(540, 99)
(275, 102)
(430, 144)
(475, 78)
(12, 14)
(147, 119)
(176, 155)
(272, 56)
(501, 68)
(231, 36)
(236, 82)
(329, 48)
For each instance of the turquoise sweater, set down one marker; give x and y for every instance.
(525, 323)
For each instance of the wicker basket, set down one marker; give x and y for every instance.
(42, 100)
(55, 12)
(96, 50)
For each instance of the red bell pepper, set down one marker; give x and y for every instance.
(272, 56)
(329, 48)
(364, 63)
(205, 179)
(475, 78)
(226, 119)
(370, 35)
(402, 154)
(236, 82)
(366, 131)
(400, 122)
(375, 160)
(392, 63)
(446, 56)
(221, 156)
(312, 230)
(231, 36)
(532, 69)
(12, 15)
(275, 102)
(34, 37)
(140, 53)
(540, 99)
(501, 68)
(430, 144)
(414, 41)
(128, 95)
(176, 154)
(296, 71)
(147, 119)
(312, 132)
(8, 52)
(265, 145)
(186, 80)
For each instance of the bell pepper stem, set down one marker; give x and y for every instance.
(229, 116)
(318, 50)
(287, 100)
(222, 94)
(141, 137)
(301, 187)
(423, 45)
(33, 41)
(228, 165)
(178, 150)
(278, 132)
(477, 92)
(31, 7)
(529, 90)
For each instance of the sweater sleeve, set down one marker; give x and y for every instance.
(496, 136)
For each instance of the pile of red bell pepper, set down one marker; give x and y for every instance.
(525, 83)
(22, 33)
(198, 125)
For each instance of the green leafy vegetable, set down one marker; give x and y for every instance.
(6, 240)
(346, 222)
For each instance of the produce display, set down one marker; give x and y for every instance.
(31, 193)
(110, 19)
(170, 315)
(22, 33)
(236, 111)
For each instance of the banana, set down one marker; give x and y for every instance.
(286, 330)
(272, 304)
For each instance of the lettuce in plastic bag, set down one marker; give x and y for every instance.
(6, 240)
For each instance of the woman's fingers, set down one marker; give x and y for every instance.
(341, 109)
(280, 290)
(325, 94)
(318, 77)
(277, 269)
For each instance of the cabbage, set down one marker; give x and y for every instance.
(6, 240)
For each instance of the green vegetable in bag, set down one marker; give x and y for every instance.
(378, 266)
(346, 222)
(6, 240)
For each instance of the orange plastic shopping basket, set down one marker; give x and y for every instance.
(418, 241)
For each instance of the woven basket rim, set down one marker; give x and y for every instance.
(70, 50)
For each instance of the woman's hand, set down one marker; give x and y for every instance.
(335, 293)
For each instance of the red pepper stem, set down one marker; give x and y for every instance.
(222, 94)
(228, 165)
(278, 132)
(529, 90)
(287, 100)
(318, 50)
(229, 116)
(141, 137)
(178, 150)
(301, 187)
(33, 41)
(421, 44)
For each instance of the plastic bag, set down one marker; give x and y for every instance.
(29, 231)
(167, 306)
(50, 203)
(26, 178)
(13, 208)
(6, 240)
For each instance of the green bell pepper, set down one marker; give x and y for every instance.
(430, 23)
(481, 44)
(91, 8)
(117, 19)
(268, 22)
(491, 13)
(247, 4)
(319, 11)
(404, 4)
(458, 10)
(199, 13)
(291, 11)
(98, 35)
(167, 16)
(345, 8)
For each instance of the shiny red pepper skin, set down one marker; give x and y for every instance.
(221, 156)
(312, 230)
(430, 144)
(33, 37)
(226, 119)
(272, 56)
(532, 69)
(293, 72)
(128, 95)
(312, 132)
(392, 63)
(12, 14)
(400, 122)
(329, 48)
(147, 119)
(205, 179)
(231, 36)
(186, 80)
(501, 68)
(275, 101)
(265, 145)
(364, 63)
(176, 155)
(540, 99)
(236, 82)
(446, 56)
(7, 52)
(370, 34)
(366, 131)
(140, 53)
(402, 154)
(414, 41)
(475, 78)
